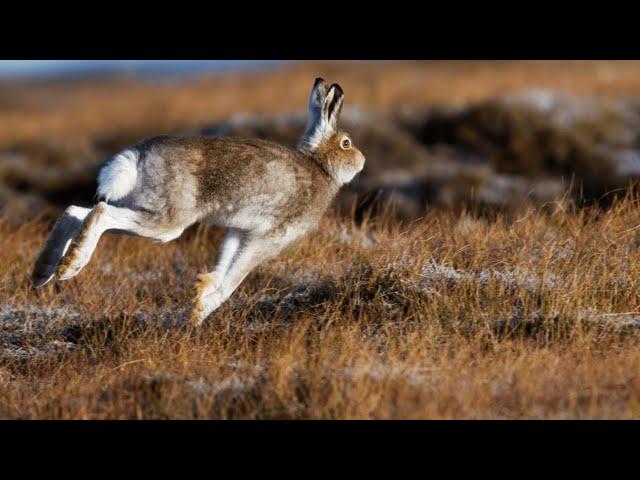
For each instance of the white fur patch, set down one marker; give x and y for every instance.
(79, 213)
(323, 130)
(345, 175)
(118, 177)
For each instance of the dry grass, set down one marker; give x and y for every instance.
(453, 316)
(456, 315)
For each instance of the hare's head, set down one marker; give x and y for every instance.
(322, 140)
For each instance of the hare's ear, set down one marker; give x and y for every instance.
(333, 106)
(317, 96)
(316, 123)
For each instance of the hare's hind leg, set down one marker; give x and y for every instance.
(105, 217)
(63, 232)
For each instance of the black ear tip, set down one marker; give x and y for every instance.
(338, 88)
(318, 81)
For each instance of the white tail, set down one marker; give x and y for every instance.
(118, 177)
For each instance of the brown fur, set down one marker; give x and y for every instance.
(231, 172)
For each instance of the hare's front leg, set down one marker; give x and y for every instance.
(207, 286)
(241, 253)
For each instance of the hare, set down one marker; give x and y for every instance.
(267, 195)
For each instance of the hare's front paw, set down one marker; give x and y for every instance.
(207, 296)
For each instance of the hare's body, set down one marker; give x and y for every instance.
(267, 195)
(251, 185)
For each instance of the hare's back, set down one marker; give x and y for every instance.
(240, 169)
(232, 174)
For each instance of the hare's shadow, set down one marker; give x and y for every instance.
(294, 298)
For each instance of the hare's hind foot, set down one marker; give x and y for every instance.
(65, 229)
(82, 246)
(207, 296)
(42, 274)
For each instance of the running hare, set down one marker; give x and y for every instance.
(268, 196)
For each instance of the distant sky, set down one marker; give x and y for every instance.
(32, 69)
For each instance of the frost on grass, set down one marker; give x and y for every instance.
(15, 316)
(135, 275)
(414, 376)
(617, 322)
(32, 331)
(233, 386)
(434, 274)
(28, 331)
(53, 348)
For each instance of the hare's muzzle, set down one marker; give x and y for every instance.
(359, 161)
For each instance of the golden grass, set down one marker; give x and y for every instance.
(452, 316)
(457, 315)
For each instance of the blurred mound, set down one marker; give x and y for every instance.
(526, 147)
(540, 133)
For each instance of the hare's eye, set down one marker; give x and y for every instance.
(346, 144)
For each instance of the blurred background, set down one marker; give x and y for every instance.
(487, 135)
